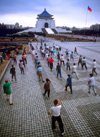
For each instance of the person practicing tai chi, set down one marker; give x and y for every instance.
(91, 84)
(7, 91)
(74, 70)
(69, 83)
(47, 87)
(55, 111)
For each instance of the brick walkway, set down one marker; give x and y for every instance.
(28, 116)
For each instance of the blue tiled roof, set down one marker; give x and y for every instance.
(45, 13)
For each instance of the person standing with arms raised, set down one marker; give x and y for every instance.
(55, 111)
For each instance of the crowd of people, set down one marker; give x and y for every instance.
(22, 64)
(64, 60)
(67, 60)
(50, 53)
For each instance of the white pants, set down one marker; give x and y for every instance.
(9, 97)
(75, 74)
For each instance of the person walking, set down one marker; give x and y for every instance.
(47, 87)
(75, 51)
(48, 58)
(7, 91)
(55, 111)
(51, 63)
(72, 56)
(36, 61)
(67, 52)
(91, 84)
(24, 56)
(84, 63)
(58, 69)
(69, 83)
(58, 56)
(39, 71)
(74, 70)
(13, 72)
(21, 66)
(94, 67)
(14, 59)
(80, 60)
(68, 65)
(62, 60)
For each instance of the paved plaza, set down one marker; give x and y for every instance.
(28, 117)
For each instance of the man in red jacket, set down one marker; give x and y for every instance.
(51, 63)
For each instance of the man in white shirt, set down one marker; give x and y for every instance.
(91, 84)
(94, 67)
(55, 111)
(74, 70)
(84, 63)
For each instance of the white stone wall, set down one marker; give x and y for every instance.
(40, 23)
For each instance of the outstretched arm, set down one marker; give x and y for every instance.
(59, 102)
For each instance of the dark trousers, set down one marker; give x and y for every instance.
(22, 70)
(62, 61)
(84, 64)
(13, 75)
(59, 120)
(68, 67)
(51, 66)
(25, 60)
(79, 62)
(70, 86)
(94, 71)
(47, 91)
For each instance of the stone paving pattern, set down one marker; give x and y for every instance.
(28, 116)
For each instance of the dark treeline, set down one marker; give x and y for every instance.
(4, 31)
(86, 32)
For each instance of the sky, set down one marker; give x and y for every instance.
(66, 12)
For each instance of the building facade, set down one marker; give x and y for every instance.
(45, 20)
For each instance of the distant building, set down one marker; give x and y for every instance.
(46, 24)
(11, 26)
(95, 27)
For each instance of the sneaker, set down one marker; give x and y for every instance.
(43, 94)
(11, 103)
(62, 133)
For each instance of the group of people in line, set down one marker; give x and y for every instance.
(54, 110)
(7, 84)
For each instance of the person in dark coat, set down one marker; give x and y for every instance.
(47, 87)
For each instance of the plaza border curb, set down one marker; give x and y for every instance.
(2, 74)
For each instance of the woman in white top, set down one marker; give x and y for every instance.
(62, 60)
(74, 70)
